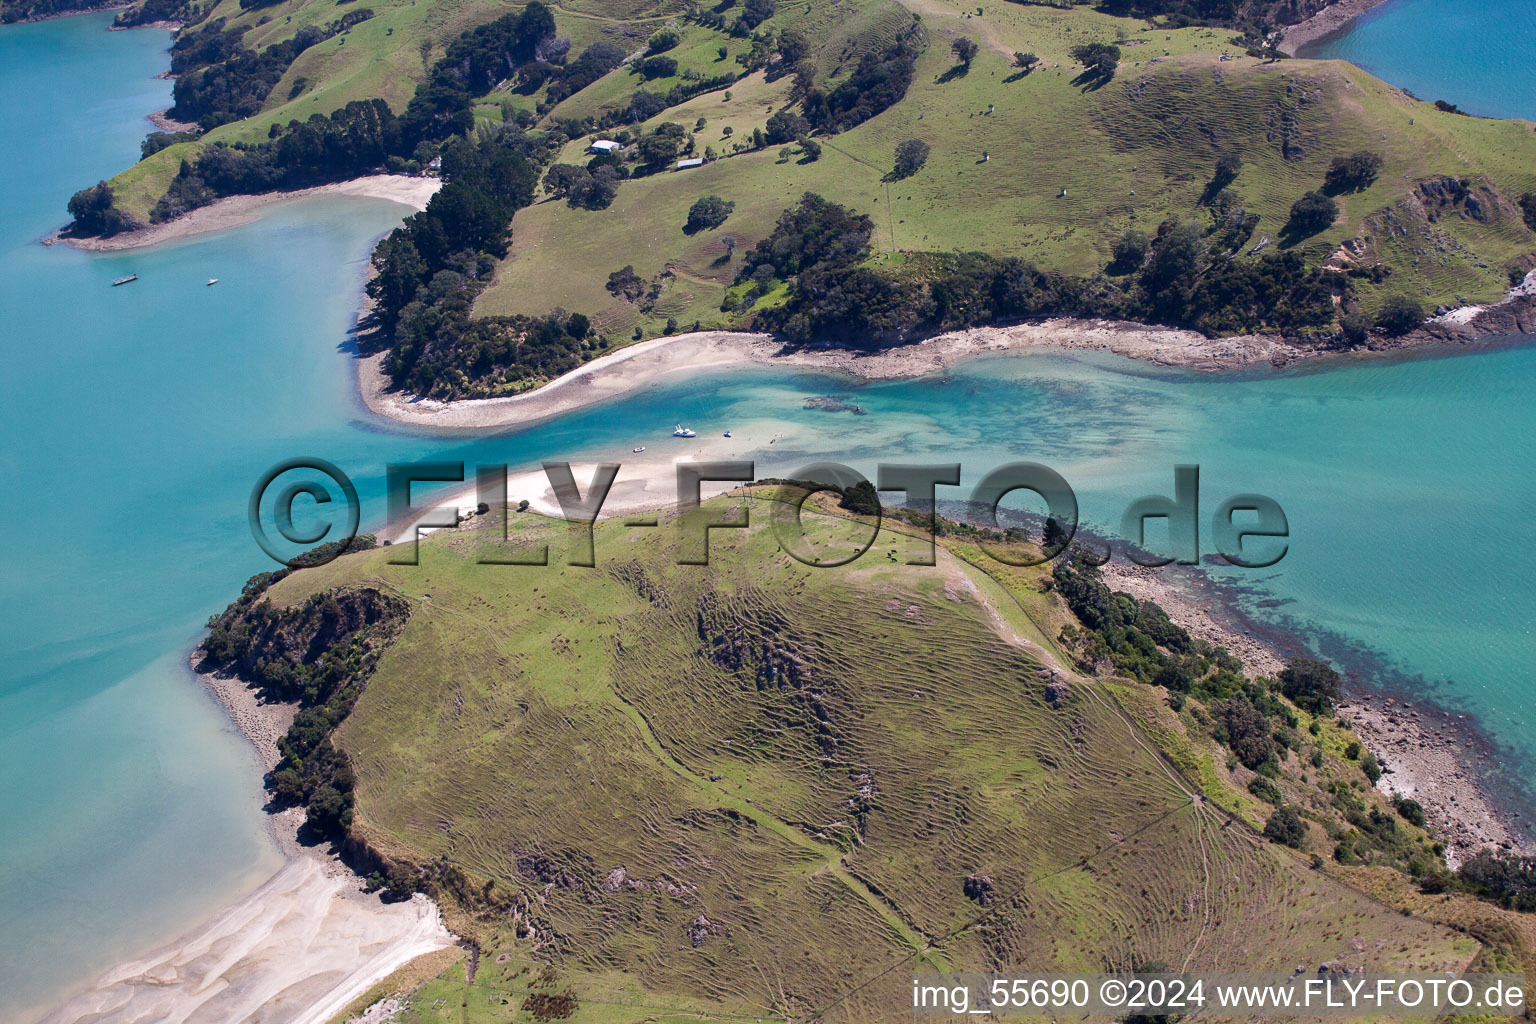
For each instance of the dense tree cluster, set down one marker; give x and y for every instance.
(1507, 879)
(95, 212)
(357, 138)
(1179, 278)
(239, 84)
(320, 654)
(879, 82)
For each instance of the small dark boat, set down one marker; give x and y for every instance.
(125, 280)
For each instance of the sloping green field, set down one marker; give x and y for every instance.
(761, 789)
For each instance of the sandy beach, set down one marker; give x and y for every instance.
(1330, 21)
(659, 359)
(232, 211)
(299, 949)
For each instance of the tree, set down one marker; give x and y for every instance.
(560, 179)
(645, 105)
(657, 150)
(596, 191)
(1311, 684)
(659, 66)
(1227, 167)
(706, 213)
(861, 499)
(401, 883)
(1286, 827)
(1352, 173)
(1355, 327)
(785, 126)
(1026, 61)
(1248, 733)
(910, 157)
(1399, 315)
(1099, 61)
(578, 325)
(753, 14)
(1312, 213)
(965, 49)
(810, 149)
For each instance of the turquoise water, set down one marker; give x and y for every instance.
(1473, 53)
(136, 420)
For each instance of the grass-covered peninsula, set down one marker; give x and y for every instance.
(762, 789)
(865, 172)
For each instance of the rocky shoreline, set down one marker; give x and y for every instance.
(1324, 25)
(1428, 754)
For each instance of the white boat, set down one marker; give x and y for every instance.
(637, 451)
(212, 281)
(682, 431)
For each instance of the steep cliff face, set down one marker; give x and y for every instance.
(321, 654)
(285, 650)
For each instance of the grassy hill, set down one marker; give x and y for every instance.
(757, 790)
(1040, 166)
(1128, 155)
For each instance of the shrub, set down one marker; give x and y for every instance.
(1352, 751)
(1371, 767)
(1399, 315)
(1265, 790)
(1286, 827)
(1411, 810)
(1310, 684)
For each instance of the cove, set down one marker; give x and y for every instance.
(1473, 53)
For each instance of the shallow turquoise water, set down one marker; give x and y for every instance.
(136, 420)
(1473, 53)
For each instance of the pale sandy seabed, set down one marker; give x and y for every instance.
(298, 949)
